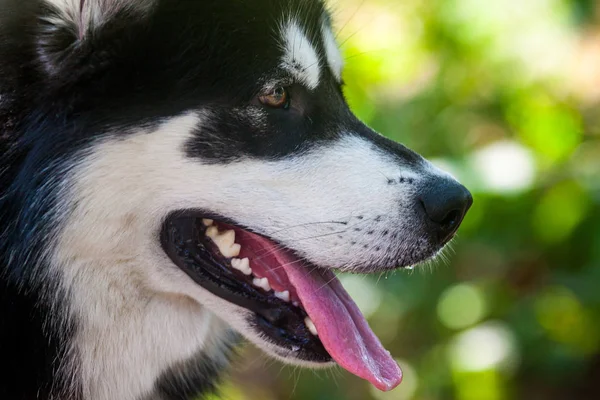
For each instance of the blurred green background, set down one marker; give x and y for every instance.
(504, 94)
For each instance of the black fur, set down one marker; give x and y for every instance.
(31, 350)
(196, 376)
(58, 93)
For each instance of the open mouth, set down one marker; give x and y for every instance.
(300, 307)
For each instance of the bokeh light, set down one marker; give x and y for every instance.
(565, 320)
(461, 305)
(485, 347)
(505, 167)
(559, 212)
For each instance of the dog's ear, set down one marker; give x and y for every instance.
(83, 16)
(68, 24)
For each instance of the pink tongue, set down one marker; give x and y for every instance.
(342, 328)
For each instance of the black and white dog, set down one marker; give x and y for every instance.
(173, 171)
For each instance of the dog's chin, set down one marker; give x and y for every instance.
(293, 355)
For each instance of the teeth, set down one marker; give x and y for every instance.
(228, 237)
(225, 241)
(212, 232)
(262, 283)
(232, 251)
(245, 266)
(242, 265)
(311, 326)
(285, 295)
(207, 222)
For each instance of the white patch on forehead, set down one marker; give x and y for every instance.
(334, 55)
(300, 57)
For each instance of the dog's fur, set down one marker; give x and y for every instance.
(115, 113)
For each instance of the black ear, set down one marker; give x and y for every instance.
(66, 26)
(56, 38)
(83, 16)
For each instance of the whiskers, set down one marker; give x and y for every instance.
(442, 257)
(346, 227)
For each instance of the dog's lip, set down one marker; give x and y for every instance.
(281, 321)
(341, 327)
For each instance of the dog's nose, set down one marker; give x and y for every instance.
(446, 202)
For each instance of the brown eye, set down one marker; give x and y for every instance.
(277, 98)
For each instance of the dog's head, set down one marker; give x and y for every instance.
(213, 142)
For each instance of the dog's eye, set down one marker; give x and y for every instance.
(276, 98)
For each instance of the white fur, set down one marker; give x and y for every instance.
(132, 324)
(138, 312)
(334, 55)
(300, 58)
(93, 12)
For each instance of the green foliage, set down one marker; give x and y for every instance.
(506, 95)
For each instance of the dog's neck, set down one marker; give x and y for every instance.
(97, 334)
(131, 337)
(124, 347)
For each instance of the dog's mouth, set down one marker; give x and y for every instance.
(300, 307)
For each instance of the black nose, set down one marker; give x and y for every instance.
(446, 202)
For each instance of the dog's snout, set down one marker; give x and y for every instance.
(446, 202)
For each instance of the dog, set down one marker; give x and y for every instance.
(178, 174)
